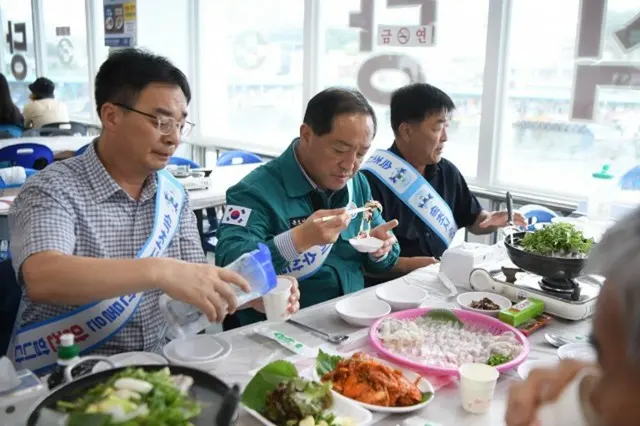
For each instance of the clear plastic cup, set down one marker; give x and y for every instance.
(477, 385)
(276, 302)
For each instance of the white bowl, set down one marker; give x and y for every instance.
(580, 351)
(401, 296)
(366, 245)
(465, 299)
(526, 367)
(174, 351)
(362, 312)
(341, 407)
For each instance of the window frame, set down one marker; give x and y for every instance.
(493, 100)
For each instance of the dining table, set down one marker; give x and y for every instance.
(250, 351)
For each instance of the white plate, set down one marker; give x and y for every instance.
(366, 245)
(580, 351)
(131, 358)
(205, 365)
(526, 367)
(198, 348)
(342, 407)
(362, 312)
(401, 296)
(465, 299)
(424, 385)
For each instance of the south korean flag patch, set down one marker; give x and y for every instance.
(236, 215)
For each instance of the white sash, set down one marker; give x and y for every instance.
(309, 262)
(414, 191)
(95, 323)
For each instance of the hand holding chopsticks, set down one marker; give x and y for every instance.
(349, 212)
(321, 228)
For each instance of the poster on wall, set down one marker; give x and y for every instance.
(120, 28)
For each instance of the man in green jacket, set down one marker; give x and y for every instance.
(283, 204)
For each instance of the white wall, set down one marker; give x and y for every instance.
(163, 28)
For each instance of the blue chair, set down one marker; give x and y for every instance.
(82, 149)
(232, 158)
(12, 130)
(536, 214)
(630, 181)
(212, 217)
(181, 161)
(27, 155)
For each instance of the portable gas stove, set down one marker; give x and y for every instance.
(572, 299)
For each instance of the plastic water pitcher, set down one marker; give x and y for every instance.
(601, 196)
(256, 267)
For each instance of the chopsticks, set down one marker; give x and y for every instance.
(510, 214)
(349, 212)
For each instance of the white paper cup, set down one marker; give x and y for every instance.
(477, 384)
(276, 301)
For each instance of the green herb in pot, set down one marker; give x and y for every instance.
(557, 239)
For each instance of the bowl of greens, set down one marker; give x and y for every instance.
(278, 396)
(556, 251)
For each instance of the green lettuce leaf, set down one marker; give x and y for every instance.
(426, 396)
(443, 315)
(326, 363)
(265, 381)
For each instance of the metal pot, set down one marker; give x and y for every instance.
(556, 268)
(219, 402)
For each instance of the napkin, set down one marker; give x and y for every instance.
(8, 376)
(13, 175)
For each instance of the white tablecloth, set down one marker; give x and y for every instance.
(222, 178)
(251, 351)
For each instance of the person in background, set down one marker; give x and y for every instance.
(9, 112)
(608, 391)
(415, 184)
(96, 239)
(43, 108)
(297, 205)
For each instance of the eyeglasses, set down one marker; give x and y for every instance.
(165, 125)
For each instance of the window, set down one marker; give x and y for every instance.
(455, 63)
(251, 72)
(19, 65)
(66, 60)
(542, 147)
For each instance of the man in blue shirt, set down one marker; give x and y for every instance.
(416, 185)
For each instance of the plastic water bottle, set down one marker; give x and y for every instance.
(256, 267)
(601, 196)
(68, 352)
